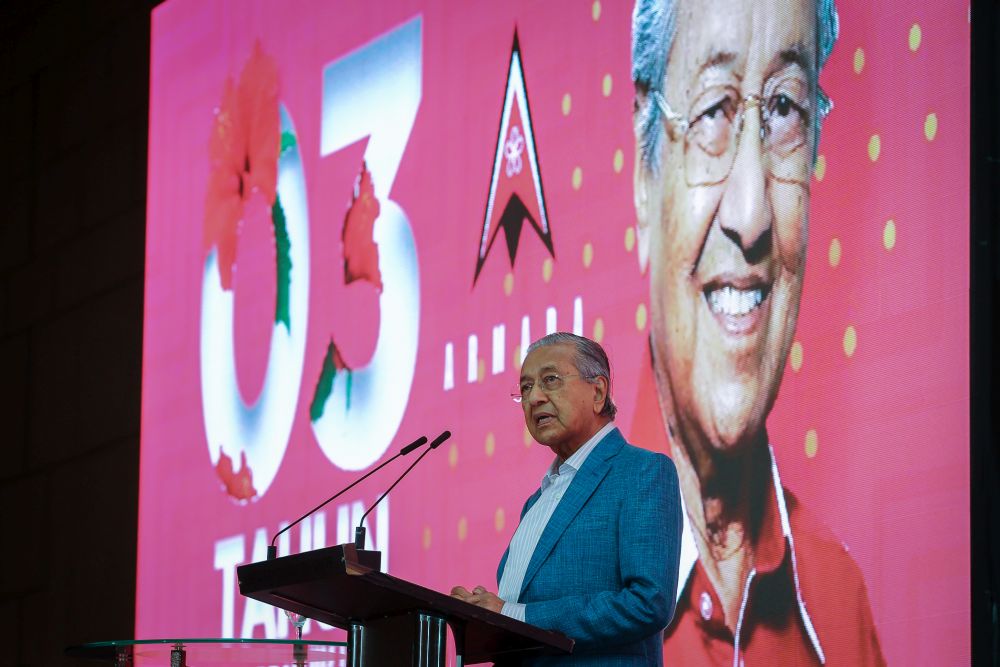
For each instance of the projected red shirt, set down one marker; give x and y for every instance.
(805, 601)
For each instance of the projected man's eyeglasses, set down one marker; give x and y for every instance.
(712, 130)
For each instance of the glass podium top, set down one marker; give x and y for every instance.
(202, 652)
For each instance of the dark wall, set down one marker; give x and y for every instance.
(73, 111)
(984, 298)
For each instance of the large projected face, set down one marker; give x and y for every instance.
(726, 218)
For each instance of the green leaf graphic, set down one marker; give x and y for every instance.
(283, 247)
(332, 364)
(324, 387)
(350, 378)
(287, 141)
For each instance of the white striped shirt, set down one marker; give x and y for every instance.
(554, 484)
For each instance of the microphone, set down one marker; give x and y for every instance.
(272, 549)
(359, 532)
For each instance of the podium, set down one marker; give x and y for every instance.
(391, 622)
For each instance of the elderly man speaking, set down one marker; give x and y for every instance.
(727, 119)
(596, 553)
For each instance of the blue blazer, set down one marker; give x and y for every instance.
(605, 568)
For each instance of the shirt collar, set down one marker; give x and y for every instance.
(576, 459)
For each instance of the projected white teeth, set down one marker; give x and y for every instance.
(731, 301)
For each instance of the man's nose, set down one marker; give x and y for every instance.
(745, 213)
(536, 396)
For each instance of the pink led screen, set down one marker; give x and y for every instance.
(359, 215)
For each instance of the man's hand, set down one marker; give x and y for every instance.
(479, 597)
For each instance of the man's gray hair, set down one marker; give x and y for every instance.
(654, 23)
(590, 359)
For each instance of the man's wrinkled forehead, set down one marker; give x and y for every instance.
(743, 37)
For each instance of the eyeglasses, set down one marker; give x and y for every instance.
(712, 131)
(548, 383)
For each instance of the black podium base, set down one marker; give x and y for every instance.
(378, 641)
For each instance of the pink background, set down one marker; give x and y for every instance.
(886, 464)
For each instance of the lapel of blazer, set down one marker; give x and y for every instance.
(584, 483)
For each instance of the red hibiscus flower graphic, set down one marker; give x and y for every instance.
(360, 249)
(237, 483)
(243, 150)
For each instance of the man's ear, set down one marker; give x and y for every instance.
(645, 208)
(600, 385)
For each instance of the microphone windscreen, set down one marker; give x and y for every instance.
(413, 445)
(441, 438)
